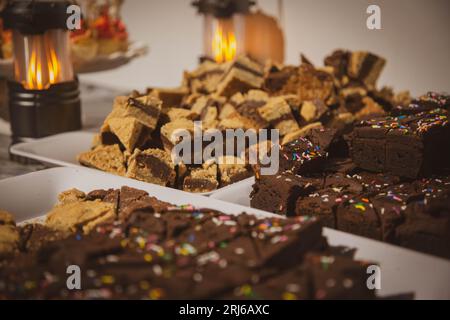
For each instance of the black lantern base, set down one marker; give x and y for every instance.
(41, 113)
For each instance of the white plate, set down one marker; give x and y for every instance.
(62, 150)
(32, 195)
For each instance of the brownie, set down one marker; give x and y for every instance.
(277, 112)
(365, 67)
(276, 80)
(243, 76)
(279, 193)
(153, 166)
(231, 170)
(338, 60)
(337, 277)
(408, 146)
(302, 156)
(427, 226)
(249, 106)
(322, 204)
(428, 102)
(107, 158)
(358, 216)
(316, 84)
(314, 110)
(203, 179)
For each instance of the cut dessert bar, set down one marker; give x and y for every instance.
(202, 179)
(170, 130)
(337, 277)
(366, 67)
(9, 235)
(407, 146)
(105, 158)
(321, 204)
(243, 76)
(278, 113)
(279, 193)
(151, 165)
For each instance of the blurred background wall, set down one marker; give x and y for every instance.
(414, 39)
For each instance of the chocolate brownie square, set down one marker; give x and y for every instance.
(408, 146)
(427, 226)
(358, 216)
(322, 204)
(302, 156)
(337, 277)
(279, 193)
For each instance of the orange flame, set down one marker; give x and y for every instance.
(224, 45)
(43, 68)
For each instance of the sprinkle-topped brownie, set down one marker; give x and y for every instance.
(406, 145)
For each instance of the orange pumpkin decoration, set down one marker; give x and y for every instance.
(264, 38)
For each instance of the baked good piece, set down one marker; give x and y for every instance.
(105, 158)
(9, 235)
(80, 215)
(153, 166)
(322, 204)
(202, 179)
(407, 146)
(243, 75)
(337, 277)
(279, 193)
(427, 219)
(278, 114)
(301, 156)
(315, 84)
(170, 132)
(366, 67)
(427, 102)
(315, 110)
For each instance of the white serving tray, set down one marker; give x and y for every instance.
(31, 196)
(62, 150)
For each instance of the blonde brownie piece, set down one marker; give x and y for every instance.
(105, 158)
(365, 67)
(127, 130)
(231, 170)
(180, 113)
(153, 166)
(169, 132)
(145, 109)
(72, 195)
(300, 133)
(201, 179)
(226, 111)
(210, 118)
(286, 126)
(9, 235)
(316, 84)
(313, 110)
(170, 97)
(279, 114)
(238, 80)
(80, 215)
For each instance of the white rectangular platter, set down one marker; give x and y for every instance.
(32, 195)
(62, 150)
